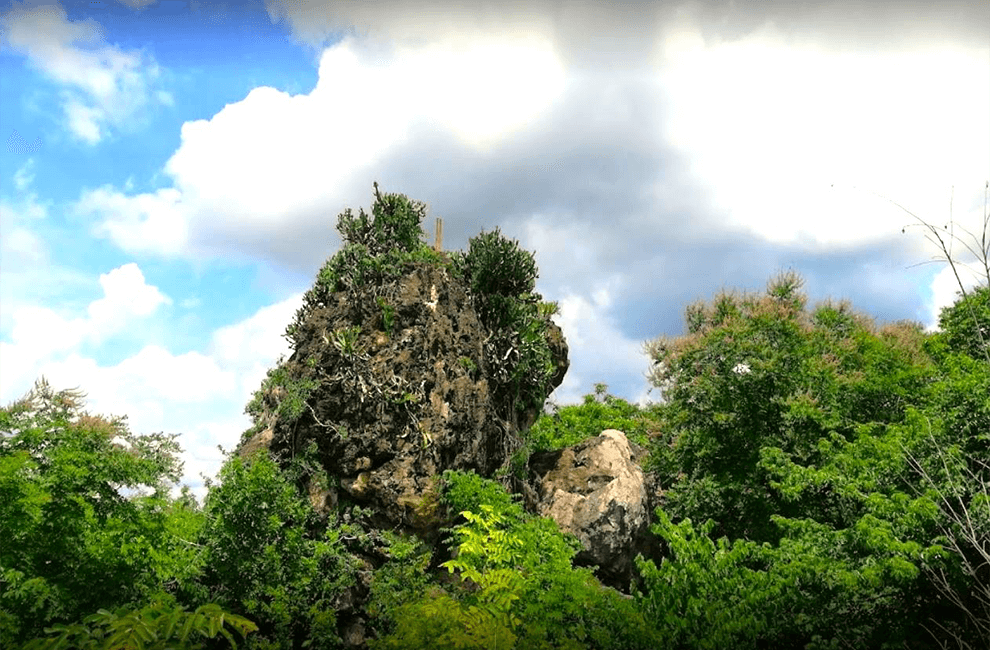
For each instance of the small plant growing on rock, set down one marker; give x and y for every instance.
(469, 365)
(344, 339)
(388, 316)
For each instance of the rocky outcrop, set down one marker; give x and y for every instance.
(597, 491)
(393, 385)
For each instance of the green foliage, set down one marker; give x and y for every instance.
(468, 491)
(396, 223)
(266, 558)
(72, 541)
(837, 455)
(158, 626)
(375, 249)
(966, 324)
(496, 268)
(388, 316)
(469, 365)
(283, 398)
(706, 594)
(570, 425)
(344, 340)
(502, 278)
(518, 588)
(401, 579)
(758, 372)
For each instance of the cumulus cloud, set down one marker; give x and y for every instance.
(103, 85)
(258, 176)
(126, 298)
(834, 104)
(39, 334)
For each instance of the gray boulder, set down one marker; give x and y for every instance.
(597, 491)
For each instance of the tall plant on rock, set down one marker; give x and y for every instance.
(502, 279)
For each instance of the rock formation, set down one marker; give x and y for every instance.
(597, 491)
(395, 376)
(407, 362)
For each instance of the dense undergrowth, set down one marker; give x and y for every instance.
(824, 487)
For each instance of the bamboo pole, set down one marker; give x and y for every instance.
(438, 236)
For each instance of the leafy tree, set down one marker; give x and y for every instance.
(758, 372)
(268, 557)
(794, 429)
(85, 514)
(965, 325)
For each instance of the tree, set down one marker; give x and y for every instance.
(792, 428)
(269, 558)
(958, 467)
(74, 541)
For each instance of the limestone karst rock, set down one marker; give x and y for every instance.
(395, 377)
(597, 491)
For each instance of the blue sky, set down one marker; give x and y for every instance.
(172, 171)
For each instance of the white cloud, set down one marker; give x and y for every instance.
(22, 252)
(156, 389)
(141, 223)
(249, 348)
(84, 121)
(126, 297)
(778, 121)
(23, 176)
(257, 171)
(40, 333)
(23, 246)
(20, 246)
(104, 85)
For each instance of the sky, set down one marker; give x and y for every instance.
(171, 172)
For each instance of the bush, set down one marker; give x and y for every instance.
(570, 425)
(502, 277)
(374, 249)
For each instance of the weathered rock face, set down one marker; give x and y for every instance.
(597, 491)
(392, 384)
